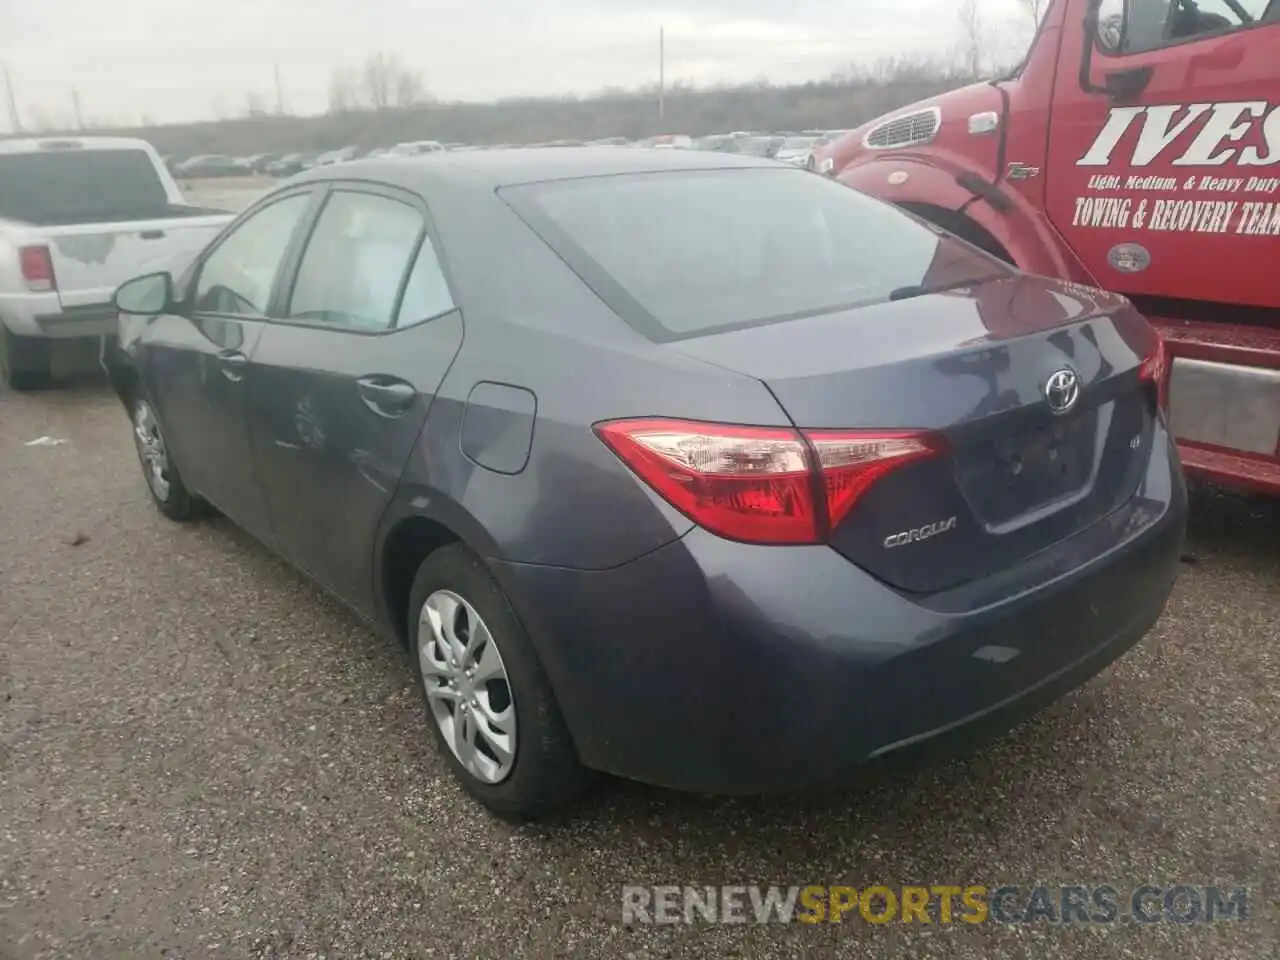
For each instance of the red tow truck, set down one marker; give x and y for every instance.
(1135, 149)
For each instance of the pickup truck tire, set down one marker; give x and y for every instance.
(25, 361)
(170, 494)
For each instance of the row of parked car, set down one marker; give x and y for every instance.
(796, 148)
(286, 165)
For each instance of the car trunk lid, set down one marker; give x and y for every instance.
(972, 365)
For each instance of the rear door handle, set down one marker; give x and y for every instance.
(152, 235)
(232, 363)
(391, 398)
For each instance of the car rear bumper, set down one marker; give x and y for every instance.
(727, 668)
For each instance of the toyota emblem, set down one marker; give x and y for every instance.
(1062, 390)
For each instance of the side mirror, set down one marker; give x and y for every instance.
(1127, 84)
(147, 295)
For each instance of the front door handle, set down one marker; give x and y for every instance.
(386, 396)
(232, 363)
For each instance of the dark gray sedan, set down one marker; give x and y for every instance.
(687, 467)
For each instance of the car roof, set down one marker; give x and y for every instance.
(489, 169)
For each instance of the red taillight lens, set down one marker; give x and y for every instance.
(853, 460)
(1155, 371)
(758, 484)
(37, 268)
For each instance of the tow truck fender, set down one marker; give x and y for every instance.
(959, 199)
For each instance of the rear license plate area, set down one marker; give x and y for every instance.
(1010, 475)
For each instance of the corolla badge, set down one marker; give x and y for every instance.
(1129, 258)
(926, 532)
(1062, 390)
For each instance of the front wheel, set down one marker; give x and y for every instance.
(495, 717)
(168, 492)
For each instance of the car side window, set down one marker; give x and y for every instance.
(427, 293)
(355, 262)
(238, 275)
(1136, 26)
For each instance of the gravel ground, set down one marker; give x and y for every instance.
(202, 756)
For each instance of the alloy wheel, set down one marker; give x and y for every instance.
(467, 686)
(151, 450)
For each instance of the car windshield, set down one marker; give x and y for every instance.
(679, 254)
(80, 186)
(798, 143)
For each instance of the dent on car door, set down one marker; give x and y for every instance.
(344, 377)
(197, 359)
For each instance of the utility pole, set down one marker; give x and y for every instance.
(75, 102)
(14, 119)
(662, 75)
(279, 92)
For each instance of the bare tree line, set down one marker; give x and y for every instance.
(1036, 8)
(980, 40)
(846, 100)
(377, 84)
(381, 83)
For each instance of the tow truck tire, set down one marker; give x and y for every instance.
(25, 361)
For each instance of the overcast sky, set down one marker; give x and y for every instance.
(175, 60)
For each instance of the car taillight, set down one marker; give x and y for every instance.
(762, 484)
(1155, 371)
(37, 268)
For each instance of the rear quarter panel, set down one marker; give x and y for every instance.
(531, 323)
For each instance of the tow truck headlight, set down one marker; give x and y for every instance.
(826, 165)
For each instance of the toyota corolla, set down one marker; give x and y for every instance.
(690, 468)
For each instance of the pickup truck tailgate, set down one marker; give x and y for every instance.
(91, 260)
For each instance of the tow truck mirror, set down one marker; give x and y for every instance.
(1127, 84)
(1091, 39)
(1108, 35)
(146, 295)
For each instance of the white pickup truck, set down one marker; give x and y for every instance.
(78, 217)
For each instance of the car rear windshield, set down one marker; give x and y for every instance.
(49, 187)
(689, 253)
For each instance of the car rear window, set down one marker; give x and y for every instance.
(688, 253)
(48, 187)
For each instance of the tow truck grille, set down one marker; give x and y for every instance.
(908, 130)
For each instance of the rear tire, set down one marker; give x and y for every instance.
(27, 361)
(542, 774)
(164, 483)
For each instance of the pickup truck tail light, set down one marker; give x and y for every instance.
(37, 268)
